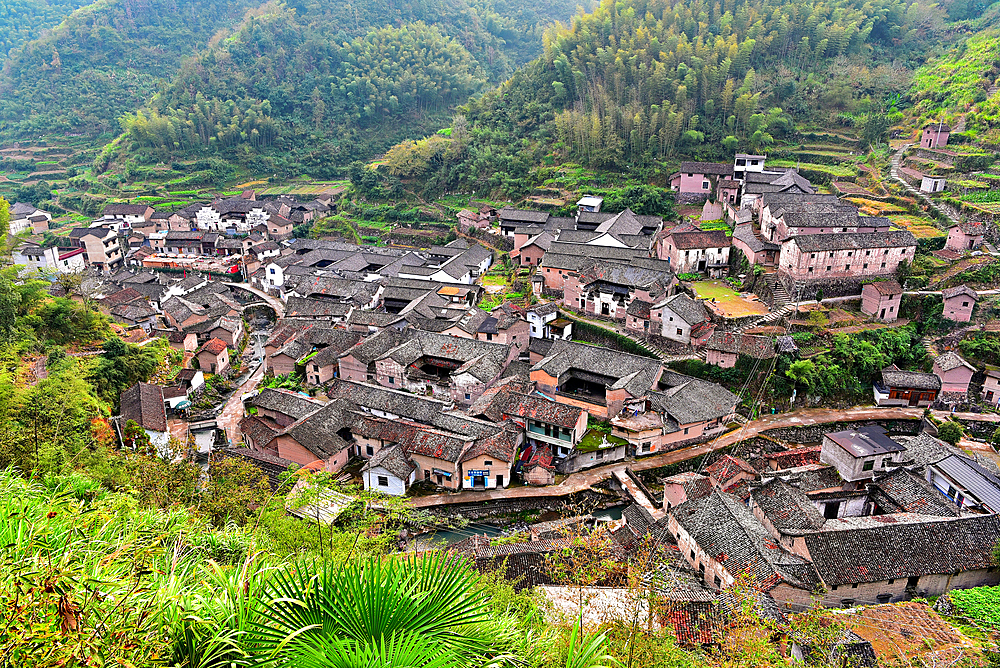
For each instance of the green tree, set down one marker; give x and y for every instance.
(951, 432)
(802, 372)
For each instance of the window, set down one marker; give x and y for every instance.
(891, 581)
(383, 481)
(680, 332)
(868, 465)
(850, 253)
(705, 185)
(718, 582)
(965, 303)
(487, 462)
(847, 267)
(392, 381)
(646, 447)
(866, 252)
(812, 256)
(865, 266)
(809, 271)
(686, 430)
(468, 396)
(369, 450)
(886, 462)
(828, 267)
(271, 270)
(489, 337)
(854, 586)
(883, 265)
(833, 588)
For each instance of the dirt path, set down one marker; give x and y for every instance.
(577, 482)
(232, 412)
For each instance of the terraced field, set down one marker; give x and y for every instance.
(921, 228)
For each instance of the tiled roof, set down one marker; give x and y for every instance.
(924, 449)
(690, 310)
(787, 508)
(694, 238)
(795, 457)
(903, 491)
(706, 168)
(892, 376)
(634, 373)
(728, 532)
(143, 403)
(889, 287)
(809, 477)
(948, 293)
(865, 441)
(695, 485)
(501, 446)
(214, 346)
(543, 458)
(260, 429)
(727, 467)
(639, 309)
(285, 402)
(695, 401)
(855, 240)
(952, 360)
(533, 407)
(393, 460)
(318, 433)
(889, 549)
(510, 214)
(757, 347)
(125, 296)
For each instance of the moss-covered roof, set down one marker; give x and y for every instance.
(598, 440)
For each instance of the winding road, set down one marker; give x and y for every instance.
(578, 482)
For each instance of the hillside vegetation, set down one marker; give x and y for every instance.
(23, 20)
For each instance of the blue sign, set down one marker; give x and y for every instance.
(476, 474)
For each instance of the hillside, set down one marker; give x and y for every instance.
(22, 20)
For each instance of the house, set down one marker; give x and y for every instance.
(689, 411)
(389, 472)
(319, 436)
(722, 540)
(133, 214)
(965, 236)
(596, 379)
(723, 349)
(837, 262)
(143, 404)
(505, 324)
(64, 260)
(955, 374)
(690, 250)
(755, 248)
(604, 288)
(684, 486)
(24, 217)
(906, 388)
(678, 316)
(475, 220)
(958, 303)
(589, 204)
(891, 557)
(991, 385)
(637, 317)
(101, 244)
(935, 135)
(540, 469)
(546, 423)
(184, 341)
(971, 486)
(530, 254)
(696, 181)
(511, 218)
(932, 184)
(860, 453)
(745, 163)
(488, 463)
(539, 317)
(213, 356)
(882, 299)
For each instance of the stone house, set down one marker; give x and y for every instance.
(932, 184)
(690, 250)
(389, 472)
(934, 135)
(965, 236)
(637, 317)
(505, 325)
(860, 453)
(540, 470)
(882, 299)
(320, 436)
(534, 249)
(955, 374)
(906, 388)
(606, 289)
(324, 365)
(186, 341)
(489, 462)
(838, 263)
(755, 248)
(958, 303)
(539, 316)
(213, 356)
(475, 220)
(677, 317)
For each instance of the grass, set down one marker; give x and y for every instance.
(495, 280)
(709, 225)
(594, 438)
(728, 300)
(835, 170)
(870, 207)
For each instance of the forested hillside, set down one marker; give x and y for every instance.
(639, 82)
(23, 20)
(320, 86)
(103, 61)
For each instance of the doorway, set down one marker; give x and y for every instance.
(499, 481)
(605, 309)
(882, 315)
(914, 398)
(478, 482)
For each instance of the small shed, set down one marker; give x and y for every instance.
(390, 471)
(965, 236)
(932, 184)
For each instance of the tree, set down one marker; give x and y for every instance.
(802, 372)
(951, 432)
(135, 438)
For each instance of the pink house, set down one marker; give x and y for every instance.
(882, 300)
(954, 372)
(965, 236)
(958, 303)
(695, 180)
(935, 135)
(533, 250)
(991, 385)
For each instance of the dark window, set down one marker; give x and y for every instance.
(686, 430)
(392, 381)
(868, 465)
(383, 481)
(847, 267)
(369, 450)
(487, 462)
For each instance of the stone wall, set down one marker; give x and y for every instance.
(690, 198)
(815, 433)
(845, 286)
(502, 507)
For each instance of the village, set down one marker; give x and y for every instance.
(403, 370)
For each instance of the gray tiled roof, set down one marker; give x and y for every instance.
(889, 549)
(948, 293)
(393, 460)
(903, 491)
(894, 377)
(636, 374)
(143, 403)
(286, 402)
(855, 240)
(689, 310)
(787, 508)
(695, 401)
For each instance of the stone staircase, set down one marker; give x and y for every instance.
(778, 291)
(765, 320)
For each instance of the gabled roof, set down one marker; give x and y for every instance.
(892, 376)
(633, 373)
(952, 360)
(727, 531)
(865, 441)
(949, 293)
(286, 402)
(975, 478)
(787, 508)
(727, 467)
(903, 491)
(393, 460)
(888, 288)
(855, 240)
(143, 403)
(892, 547)
(214, 346)
(695, 401)
(706, 168)
(689, 310)
(686, 237)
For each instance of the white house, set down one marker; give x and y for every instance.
(389, 471)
